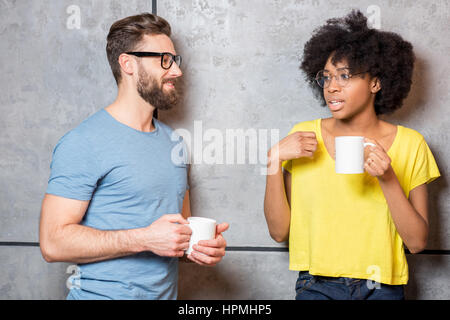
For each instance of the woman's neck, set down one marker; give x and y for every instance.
(360, 127)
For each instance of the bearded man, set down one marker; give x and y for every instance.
(116, 203)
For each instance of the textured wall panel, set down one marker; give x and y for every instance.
(240, 64)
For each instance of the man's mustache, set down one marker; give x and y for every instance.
(173, 80)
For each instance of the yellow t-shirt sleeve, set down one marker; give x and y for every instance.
(425, 168)
(287, 165)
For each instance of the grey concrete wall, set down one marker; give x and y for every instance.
(240, 64)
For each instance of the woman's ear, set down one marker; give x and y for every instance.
(375, 85)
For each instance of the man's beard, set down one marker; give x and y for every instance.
(149, 90)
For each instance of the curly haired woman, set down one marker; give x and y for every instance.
(348, 232)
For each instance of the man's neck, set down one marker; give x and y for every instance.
(133, 111)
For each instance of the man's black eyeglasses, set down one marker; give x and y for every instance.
(166, 57)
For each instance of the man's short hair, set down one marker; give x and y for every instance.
(126, 34)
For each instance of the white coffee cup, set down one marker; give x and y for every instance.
(350, 154)
(202, 229)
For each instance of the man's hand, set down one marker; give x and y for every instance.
(168, 236)
(210, 252)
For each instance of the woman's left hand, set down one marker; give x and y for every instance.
(377, 163)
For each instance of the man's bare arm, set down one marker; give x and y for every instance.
(63, 238)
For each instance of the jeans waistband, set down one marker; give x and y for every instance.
(342, 280)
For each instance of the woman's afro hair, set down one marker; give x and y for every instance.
(384, 55)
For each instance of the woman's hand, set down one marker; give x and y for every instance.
(377, 163)
(296, 145)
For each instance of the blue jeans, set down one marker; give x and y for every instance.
(309, 287)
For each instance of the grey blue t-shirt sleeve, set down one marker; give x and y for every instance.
(74, 168)
(180, 155)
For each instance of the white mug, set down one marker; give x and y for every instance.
(202, 229)
(350, 154)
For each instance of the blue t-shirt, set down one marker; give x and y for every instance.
(131, 178)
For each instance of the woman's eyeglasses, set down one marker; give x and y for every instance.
(343, 76)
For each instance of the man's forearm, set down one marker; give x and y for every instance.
(80, 244)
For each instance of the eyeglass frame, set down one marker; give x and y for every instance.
(335, 76)
(141, 54)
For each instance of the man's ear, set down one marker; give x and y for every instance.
(127, 64)
(375, 85)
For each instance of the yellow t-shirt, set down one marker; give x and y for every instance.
(341, 225)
